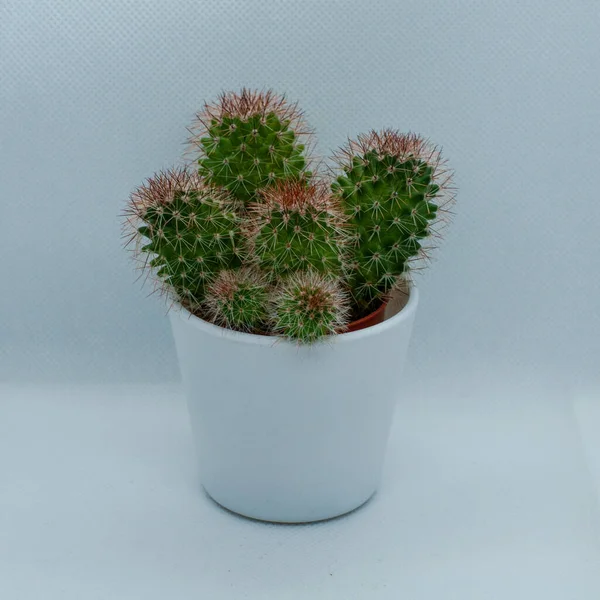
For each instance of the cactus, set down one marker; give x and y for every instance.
(251, 240)
(191, 231)
(393, 189)
(308, 306)
(239, 300)
(295, 227)
(248, 141)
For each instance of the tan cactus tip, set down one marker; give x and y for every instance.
(297, 195)
(161, 188)
(243, 105)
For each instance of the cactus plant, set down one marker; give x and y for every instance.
(394, 187)
(239, 300)
(295, 227)
(253, 241)
(188, 232)
(248, 141)
(308, 306)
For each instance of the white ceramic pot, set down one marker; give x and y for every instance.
(292, 433)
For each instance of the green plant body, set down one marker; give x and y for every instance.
(189, 231)
(249, 141)
(308, 306)
(297, 227)
(389, 192)
(239, 300)
(251, 240)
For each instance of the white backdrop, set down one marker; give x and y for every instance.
(95, 96)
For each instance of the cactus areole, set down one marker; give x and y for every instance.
(250, 237)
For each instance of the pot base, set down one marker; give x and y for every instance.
(298, 519)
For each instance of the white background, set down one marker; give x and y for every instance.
(95, 96)
(490, 489)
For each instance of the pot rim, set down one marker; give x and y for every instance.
(403, 314)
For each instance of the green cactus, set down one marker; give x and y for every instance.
(393, 189)
(308, 306)
(248, 141)
(239, 300)
(253, 241)
(295, 227)
(188, 231)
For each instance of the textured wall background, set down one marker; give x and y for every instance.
(94, 97)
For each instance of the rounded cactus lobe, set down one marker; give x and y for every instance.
(190, 234)
(388, 192)
(239, 300)
(243, 156)
(309, 307)
(193, 239)
(297, 227)
(290, 241)
(248, 141)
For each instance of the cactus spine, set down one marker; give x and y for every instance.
(297, 227)
(309, 306)
(248, 141)
(191, 231)
(239, 300)
(394, 187)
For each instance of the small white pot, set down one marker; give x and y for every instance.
(291, 433)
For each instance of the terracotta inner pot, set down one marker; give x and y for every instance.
(374, 318)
